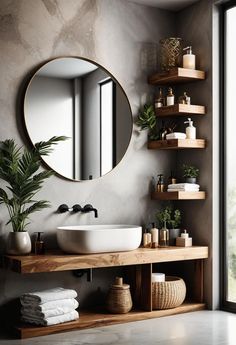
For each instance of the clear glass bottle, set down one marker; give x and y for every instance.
(159, 101)
(164, 236)
(170, 98)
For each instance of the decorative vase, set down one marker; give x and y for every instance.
(18, 243)
(191, 180)
(171, 53)
(173, 234)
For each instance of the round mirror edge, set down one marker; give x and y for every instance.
(44, 163)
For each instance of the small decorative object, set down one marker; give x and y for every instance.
(190, 173)
(168, 294)
(170, 98)
(19, 171)
(119, 299)
(147, 120)
(190, 130)
(154, 232)
(184, 240)
(164, 236)
(39, 247)
(160, 183)
(160, 100)
(184, 99)
(172, 179)
(170, 218)
(189, 59)
(147, 239)
(171, 49)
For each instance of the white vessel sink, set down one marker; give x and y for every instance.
(88, 239)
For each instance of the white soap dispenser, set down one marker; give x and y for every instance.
(190, 130)
(189, 59)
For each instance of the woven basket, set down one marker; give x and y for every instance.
(168, 294)
(119, 299)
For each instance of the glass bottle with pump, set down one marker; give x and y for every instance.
(190, 130)
(189, 59)
(160, 183)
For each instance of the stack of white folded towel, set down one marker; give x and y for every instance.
(183, 187)
(175, 135)
(49, 307)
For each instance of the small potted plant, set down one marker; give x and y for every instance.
(170, 218)
(147, 120)
(190, 173)
(20, 171)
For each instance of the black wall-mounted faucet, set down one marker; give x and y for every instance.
(88, 208)
(77, 208)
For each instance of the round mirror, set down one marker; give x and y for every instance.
(79, 99)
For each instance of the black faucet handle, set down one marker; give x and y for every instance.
(63, 208)
(76, 208)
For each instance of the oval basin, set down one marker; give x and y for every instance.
(88, 239)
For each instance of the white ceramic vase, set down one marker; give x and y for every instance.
(18, 243)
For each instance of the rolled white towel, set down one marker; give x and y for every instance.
(67, 303)
(33, 312)
(71, 316)
(183, 185)
(48, 295)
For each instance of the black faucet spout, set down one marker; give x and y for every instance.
(89, 208)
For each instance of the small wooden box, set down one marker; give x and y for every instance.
(183, 242)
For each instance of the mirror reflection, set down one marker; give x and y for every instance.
(76, 98)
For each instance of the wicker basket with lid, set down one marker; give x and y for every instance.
(119, 299)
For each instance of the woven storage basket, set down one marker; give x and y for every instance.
(168, 294)
(119, 299)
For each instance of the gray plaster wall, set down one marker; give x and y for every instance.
(121, 36)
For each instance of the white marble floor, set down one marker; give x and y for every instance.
(198, 328)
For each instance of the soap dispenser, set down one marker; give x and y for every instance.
(190, 130)
(189, 59)
(160, 183)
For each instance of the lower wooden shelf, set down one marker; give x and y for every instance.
(89, 319)
(179, 195)
(177, 144)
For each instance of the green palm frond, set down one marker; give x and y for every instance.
(20, 171)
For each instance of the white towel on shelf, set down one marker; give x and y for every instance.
(71, 316)
(63, 303)
(48, 295)
(33, 312)
(182, 190)
(183, 185)
(176, 135)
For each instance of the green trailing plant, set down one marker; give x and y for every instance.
(19, 168)
(190, 171)
(147, 120)
(169, 217)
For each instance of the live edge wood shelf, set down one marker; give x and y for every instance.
(175, 76)
(201, 195)
(180, 110)
(139, 271)
(177, 144)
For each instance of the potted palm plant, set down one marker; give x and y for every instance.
(20, 171)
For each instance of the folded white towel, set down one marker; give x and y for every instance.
(73, 315)
(183, 190)
(48, 295)
(63, 303)
(176, 135)
(183, 185)
(32, 312)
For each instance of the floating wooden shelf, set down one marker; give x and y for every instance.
(176, 75)
(177, 144)
(63, 262)
(91, 319)
(179, 195)
(180, 110)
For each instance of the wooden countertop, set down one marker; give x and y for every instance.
(59, 261)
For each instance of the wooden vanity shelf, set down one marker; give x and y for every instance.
(180, 110)
(177, 144)
(138, 268)
(179, 195)
(175, 76)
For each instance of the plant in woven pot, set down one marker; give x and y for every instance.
(20, 171)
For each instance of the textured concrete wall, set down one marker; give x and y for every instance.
(122, 37)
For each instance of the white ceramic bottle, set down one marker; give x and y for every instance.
(189, 59)
(190, 130)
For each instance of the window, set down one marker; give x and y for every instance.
(228, 155)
